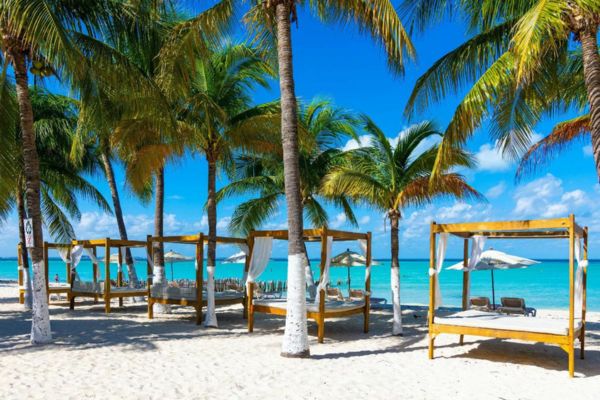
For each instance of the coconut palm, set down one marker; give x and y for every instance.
(219, 114)
(390, 178)
(323, 127)
(41, 34)
(272, 20)
(55, 119)
(510, 66)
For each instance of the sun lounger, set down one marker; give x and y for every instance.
(480, 303)
(515, 305)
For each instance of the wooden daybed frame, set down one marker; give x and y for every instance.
(561, 228)
(197, 240)
(49, 289)
(314, 235)
(107, 294)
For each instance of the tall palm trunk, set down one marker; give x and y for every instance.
(24, 257)
(591, 72)
(112, 184)
(40, 322)
(394, 216)
(211, 210)
(295, 338)
(159, 248)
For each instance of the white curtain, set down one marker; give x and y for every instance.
(324, 278)
(63, 252)
(261, 253)
(363, 246)
(581, 266)
(244, 249)
(435, 272)
(76, 254)
(477, 246)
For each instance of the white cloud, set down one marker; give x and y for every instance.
(339, 220)
(587, 150)
(577, 197)
(174, 197)
(496, 190)
(364, 220)
(365, 140)
(555, 210)
(489, 158)
(223, 222)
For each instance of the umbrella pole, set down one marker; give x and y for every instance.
(348, 281)
(493, 291)
(172, 270)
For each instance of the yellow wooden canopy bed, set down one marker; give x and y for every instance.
(186, 294)
(64, 250)
(97, 287)
(320, 308)
(562, 332)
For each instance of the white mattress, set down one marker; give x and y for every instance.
(59, 285)
(98, 288)
(331, 305)
(169, 292)
(491, 320)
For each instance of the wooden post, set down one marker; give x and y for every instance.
(95, 271)
(149, 272)
(571, 349)
(431, 288)
(69, 254)
(20, 279)
(107, 275)
(120, 273)
(584, 297)
(250, 307)
(199, 276)
(249, 243)
(466, 282)
(321, 315)
(367, 286)
(46, 262)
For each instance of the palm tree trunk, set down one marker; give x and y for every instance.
(159, 248)
(40, 323)
(211, 210)
(112, 184)
(394, 216)
(591, 72)
(295, 338)
(24, 257)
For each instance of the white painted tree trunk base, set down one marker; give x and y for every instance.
(295, 338)
(397, 308)
(41, 331)
(310, 280)
(211, 315)
(28, 297)
(160, 278)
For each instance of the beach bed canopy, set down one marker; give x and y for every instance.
(477, 323)
(260, 246)
(187, 293)
(106, 288)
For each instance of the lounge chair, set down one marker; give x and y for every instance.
(515, 305)
(480, 303)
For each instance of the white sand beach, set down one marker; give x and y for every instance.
(125, 355)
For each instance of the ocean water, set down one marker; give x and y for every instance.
(544, 285)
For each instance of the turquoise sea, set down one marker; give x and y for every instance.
(545, 285)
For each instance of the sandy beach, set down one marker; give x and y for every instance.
(125, 355)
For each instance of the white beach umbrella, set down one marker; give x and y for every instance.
(350, 259)
(173, 257)
(237, 258)
(493, 259)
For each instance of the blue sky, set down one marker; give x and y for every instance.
(340, 64)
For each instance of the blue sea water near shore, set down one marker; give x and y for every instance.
(545, 285)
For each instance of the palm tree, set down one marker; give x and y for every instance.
(390, 178)
(42, 33)
(273, 20)
(511, 66)
(322, 128)
(219, 114)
